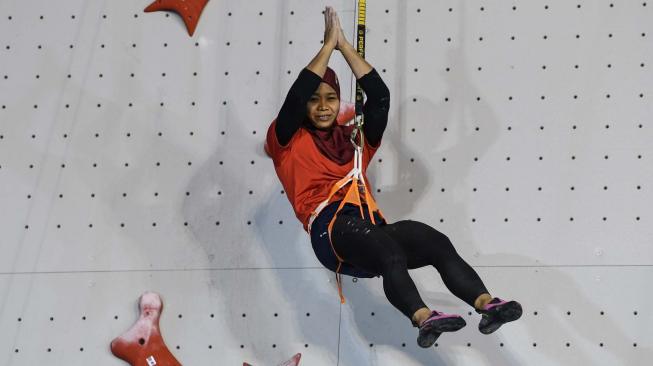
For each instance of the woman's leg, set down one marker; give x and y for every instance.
(424, 245)
(367, 246)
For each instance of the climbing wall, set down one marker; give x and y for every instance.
(131, 160)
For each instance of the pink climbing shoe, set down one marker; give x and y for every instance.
(436, 324)
(496, 313)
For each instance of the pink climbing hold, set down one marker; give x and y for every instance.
(142, 344)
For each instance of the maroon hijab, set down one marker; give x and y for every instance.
(333, 142)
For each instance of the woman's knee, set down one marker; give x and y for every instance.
(426, 235)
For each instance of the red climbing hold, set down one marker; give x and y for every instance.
(142, 344)
(189, 10)
(294, 361)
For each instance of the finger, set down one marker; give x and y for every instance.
(330, 17)
(331, 21)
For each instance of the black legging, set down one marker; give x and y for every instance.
(390, 250)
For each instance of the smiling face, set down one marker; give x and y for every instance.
(323, 106)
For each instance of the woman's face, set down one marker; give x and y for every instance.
(323, 106)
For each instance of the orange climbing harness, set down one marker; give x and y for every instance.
(355, 176)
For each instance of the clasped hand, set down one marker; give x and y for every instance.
(333, 34)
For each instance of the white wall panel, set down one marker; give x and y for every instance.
(135, 162)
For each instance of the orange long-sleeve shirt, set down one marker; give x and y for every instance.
(306, 174)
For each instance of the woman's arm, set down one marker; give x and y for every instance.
(357, 64)
(293, 109)
(378, 96)
(376, 107)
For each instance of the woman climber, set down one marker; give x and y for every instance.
(312, 153)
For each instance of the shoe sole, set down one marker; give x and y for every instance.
(443, 325)
(507, 312)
